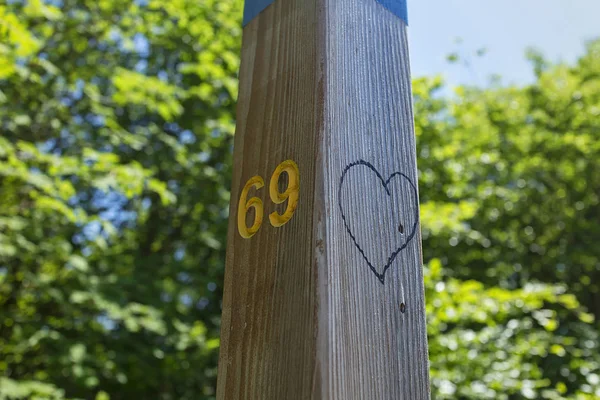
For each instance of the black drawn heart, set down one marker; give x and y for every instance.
(410, 232)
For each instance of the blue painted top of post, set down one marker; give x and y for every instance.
(255, 7)
(398, 7)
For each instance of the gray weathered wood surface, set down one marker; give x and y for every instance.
(308, 312)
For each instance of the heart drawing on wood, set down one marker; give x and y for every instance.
(398, 188)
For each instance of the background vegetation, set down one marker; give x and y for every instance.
(116, 124)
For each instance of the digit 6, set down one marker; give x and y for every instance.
(254, 202)
(291, 192)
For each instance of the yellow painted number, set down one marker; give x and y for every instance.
(254, 202)
(291, 192)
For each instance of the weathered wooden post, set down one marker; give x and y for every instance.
(324, 288)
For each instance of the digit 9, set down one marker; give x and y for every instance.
(291, 193)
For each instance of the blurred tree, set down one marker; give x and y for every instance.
(116, 121)
(510, 191)
(494, 343)
(510, 178)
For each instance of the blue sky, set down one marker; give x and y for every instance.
(505, 28)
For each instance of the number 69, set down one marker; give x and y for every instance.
(290, 194)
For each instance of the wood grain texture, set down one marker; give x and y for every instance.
(375, 350)
(308, 312)
(268, 342)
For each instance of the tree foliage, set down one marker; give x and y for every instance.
(510, 195)
(116, 120)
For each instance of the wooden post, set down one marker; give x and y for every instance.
(324, 286)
